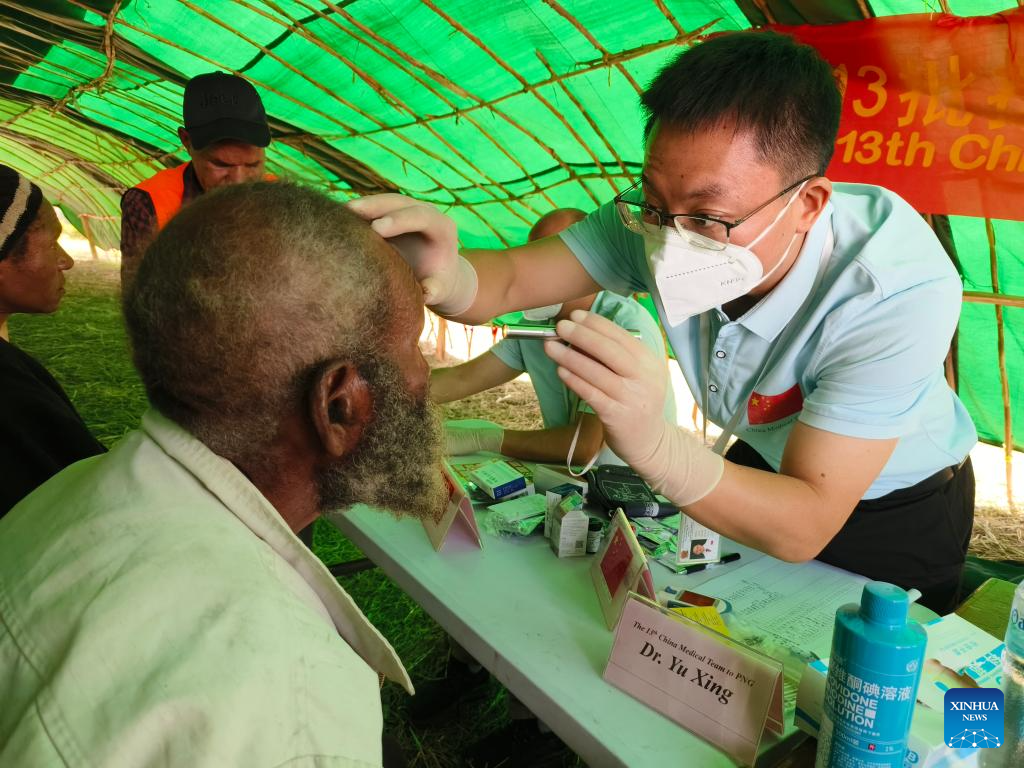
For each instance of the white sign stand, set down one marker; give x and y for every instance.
(458, 515)
(709, 684)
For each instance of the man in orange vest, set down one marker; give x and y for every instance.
(225, 135)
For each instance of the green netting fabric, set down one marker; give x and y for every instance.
(980, 386)
(498, 111)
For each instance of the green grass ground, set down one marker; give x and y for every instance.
(84, 346)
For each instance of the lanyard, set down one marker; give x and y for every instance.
(572, 403)
(775, 353)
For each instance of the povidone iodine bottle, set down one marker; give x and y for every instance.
(872, 681)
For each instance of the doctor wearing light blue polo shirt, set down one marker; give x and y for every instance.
(810, 319)
(569, 423)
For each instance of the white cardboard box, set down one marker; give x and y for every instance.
(566, 523)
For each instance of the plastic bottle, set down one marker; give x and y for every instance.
(595, 531)
(872, 682)
(1011, 753)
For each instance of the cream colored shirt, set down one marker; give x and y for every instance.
(156, 610)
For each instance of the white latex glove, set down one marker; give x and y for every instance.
(428, 240)
(625, 383)
(472, 436)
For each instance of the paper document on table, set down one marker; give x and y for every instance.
(793, 604)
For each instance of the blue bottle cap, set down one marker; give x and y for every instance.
(885, 604)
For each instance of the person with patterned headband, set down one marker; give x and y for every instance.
(40, 430)
(156, 607)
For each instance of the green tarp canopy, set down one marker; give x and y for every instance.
(498, 111)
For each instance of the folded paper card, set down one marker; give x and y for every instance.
(619, 568)
(458, 513)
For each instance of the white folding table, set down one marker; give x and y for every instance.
(534, 622)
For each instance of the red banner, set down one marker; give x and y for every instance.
(933, 108)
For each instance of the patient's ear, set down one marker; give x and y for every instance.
(340, 405)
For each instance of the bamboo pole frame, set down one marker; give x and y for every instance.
(999, 299)
(96, 85)
(334, 161)
(112, 44)
(398, 104)
(762, 6)
(585, 67)
(347, 131)
(77, 195)
(341, 100)
(1004, 380)
(269, 88)
(417, 66)
(605, 53)
(865, 9)
(585, 115)
(518, 77)
(87, 231)
(671, 18)
(428, 83)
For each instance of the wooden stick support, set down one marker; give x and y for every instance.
(87, 231)
(999, 299)
(441, 351)
(1003, 378)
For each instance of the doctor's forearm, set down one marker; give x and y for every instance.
(535, 275)
(446, 385)
(494, 274)
(780, 515)
(552, 445)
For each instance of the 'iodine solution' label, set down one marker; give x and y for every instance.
(872, 712)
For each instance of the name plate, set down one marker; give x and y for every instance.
(619, 569)
(457, 515)
(709, 684)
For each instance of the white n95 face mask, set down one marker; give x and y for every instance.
(540, 314)
(693, 278)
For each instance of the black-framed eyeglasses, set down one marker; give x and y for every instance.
(703, 231)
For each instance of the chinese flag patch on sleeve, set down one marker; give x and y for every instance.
(764, 409)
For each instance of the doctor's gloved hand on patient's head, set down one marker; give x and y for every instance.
(625, 383)
(428, 241)
(472, 436)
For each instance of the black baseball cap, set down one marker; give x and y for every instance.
(219, 106)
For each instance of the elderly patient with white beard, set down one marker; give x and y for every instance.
(156, 607)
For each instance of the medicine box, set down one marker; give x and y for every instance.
(546, 478)
(554, 496)
(499, 481)
(569, 526)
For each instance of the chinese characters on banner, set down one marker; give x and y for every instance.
(933, 108)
